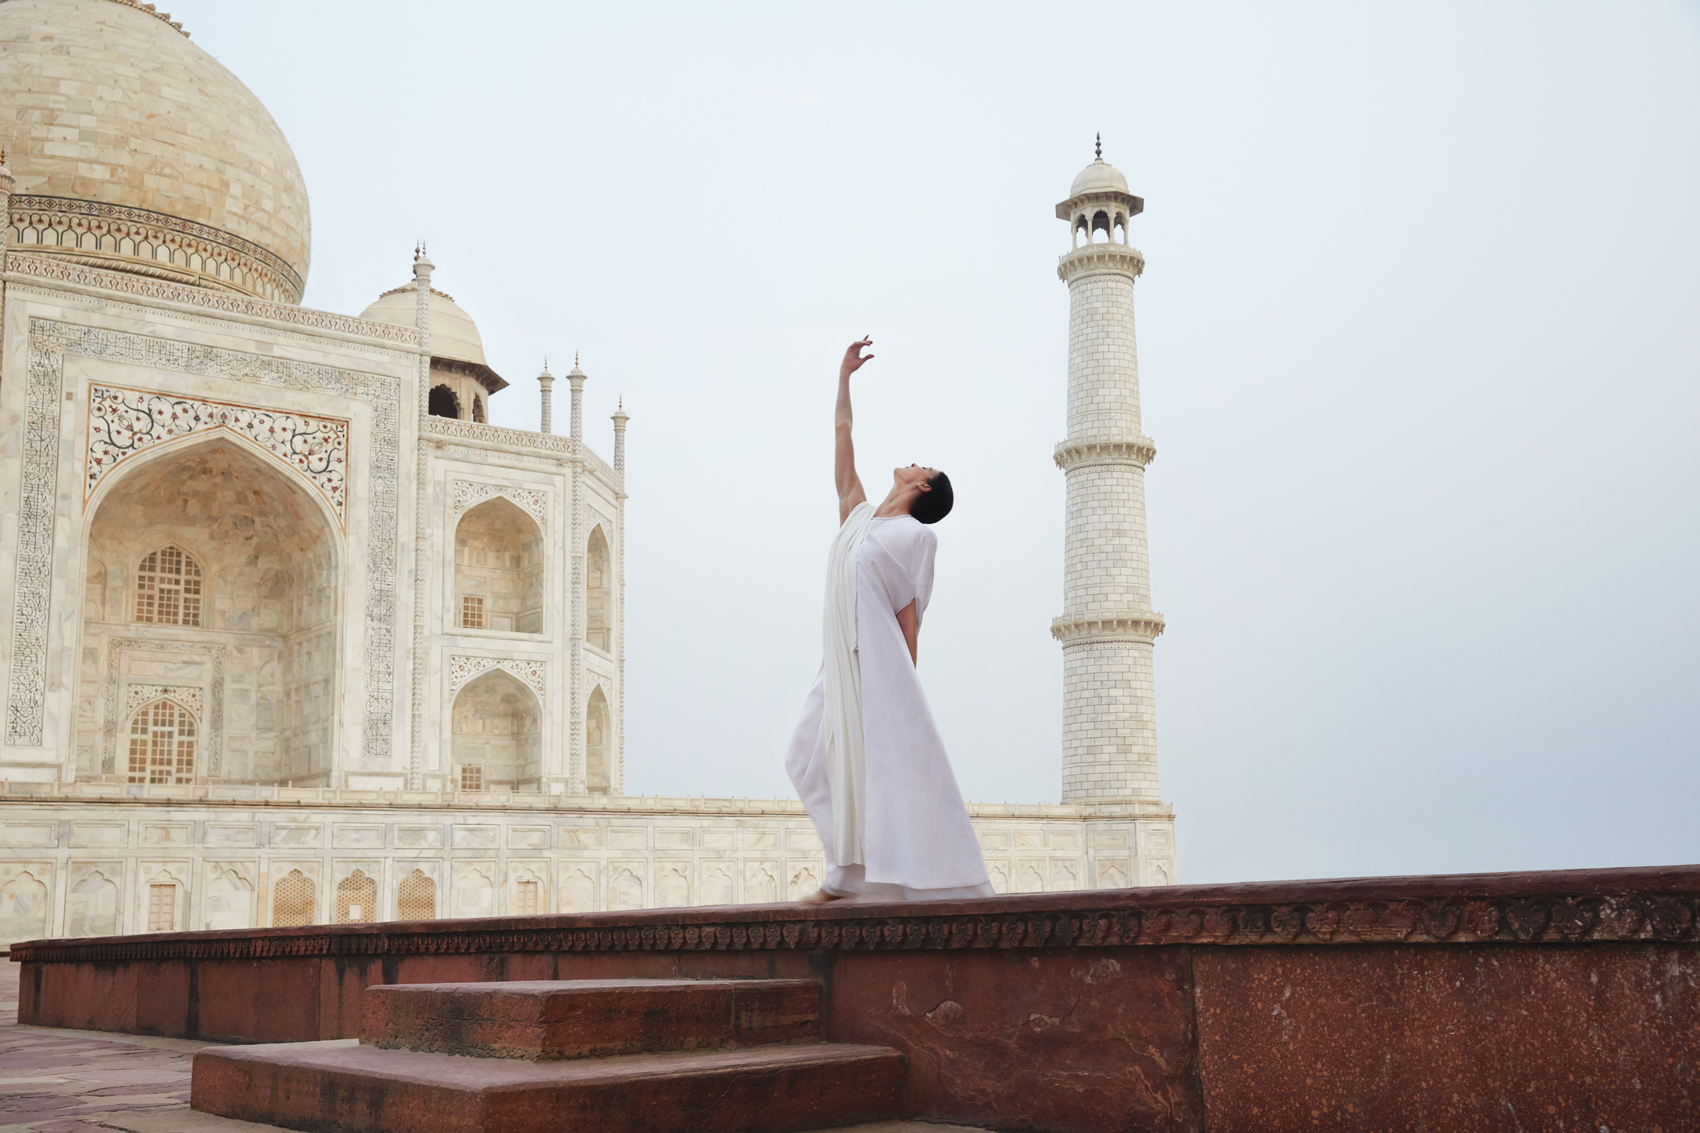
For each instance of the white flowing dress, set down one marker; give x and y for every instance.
(895, 828)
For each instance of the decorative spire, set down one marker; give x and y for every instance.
(1098, 152)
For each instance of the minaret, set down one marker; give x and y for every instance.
(576, 784)
(1107, 626)
(546, 381)
(618, 769)
(575, 378)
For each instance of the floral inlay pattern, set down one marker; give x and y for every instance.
(463, 668)
(124, 422)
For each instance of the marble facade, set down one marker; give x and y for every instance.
(289, 632)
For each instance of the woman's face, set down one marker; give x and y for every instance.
(912, 474)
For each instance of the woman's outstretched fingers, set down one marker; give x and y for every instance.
(853, 356)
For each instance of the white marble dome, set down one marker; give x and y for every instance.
(1100, 176)
(453, 333)
(135, 150)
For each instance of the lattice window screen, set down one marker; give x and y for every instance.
(416, 898)
(356, 898)
(472, 611)
(472, 776)
(292, 902)
(168, 588)
(162, 744)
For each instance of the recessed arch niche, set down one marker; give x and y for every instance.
(598, 736)
(268, 552)
(598, 601)
(497, 727)
(498, 569)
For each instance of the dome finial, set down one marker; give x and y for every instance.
(1098, 153)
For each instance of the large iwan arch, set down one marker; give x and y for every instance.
(257, 661)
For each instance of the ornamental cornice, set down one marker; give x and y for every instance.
(68, 271)
(1111, 626)
(124, 235)
(1070, 455)
(1563, 908)
(1067, 209)
(1098, 259)
(495, 436)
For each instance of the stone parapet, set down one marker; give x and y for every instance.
(1410, 1002)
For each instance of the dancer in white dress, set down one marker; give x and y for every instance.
(867, 759)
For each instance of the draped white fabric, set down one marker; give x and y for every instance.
(845, 758)
(911, 837)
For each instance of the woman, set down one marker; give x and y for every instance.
(866, 758)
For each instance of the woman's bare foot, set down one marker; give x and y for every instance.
(820, 897)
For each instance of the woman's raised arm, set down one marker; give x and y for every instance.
(844, 476)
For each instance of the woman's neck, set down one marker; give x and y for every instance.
(897, 502)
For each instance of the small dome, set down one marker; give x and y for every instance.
(1100, 176)
(134, 150)
(453, 333)
(454, 336)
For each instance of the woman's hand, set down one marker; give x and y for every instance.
(853, 357)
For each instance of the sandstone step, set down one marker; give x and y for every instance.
(544, 1020)
(346, 1087)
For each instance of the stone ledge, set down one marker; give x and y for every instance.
(1563, 907)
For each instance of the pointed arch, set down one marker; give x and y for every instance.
(498, 549)
(293, 900)
(164, 741)
(416, 897)
(598, 591)
(212, 533)
(168, 587)
(497, 728)
(598, 736)
(442, 402)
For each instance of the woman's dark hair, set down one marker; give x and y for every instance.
(933, 505)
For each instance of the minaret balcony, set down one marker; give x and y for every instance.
(1101, 259)
(1143, 626)
(1084, 452)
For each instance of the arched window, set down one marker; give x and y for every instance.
(1100, 223)
(356, 898)
(416, 898)
(168, 588)
(292, 901)
(162, 744)
(442, 402)
(598, 631)
(596, 763)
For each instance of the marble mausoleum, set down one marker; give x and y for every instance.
(291, 634)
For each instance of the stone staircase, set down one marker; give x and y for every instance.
(615, 1056)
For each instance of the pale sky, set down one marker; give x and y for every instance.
(1419, 347)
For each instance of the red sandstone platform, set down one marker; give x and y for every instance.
(346, 1086)
(1373, 1003)
(544, 1020)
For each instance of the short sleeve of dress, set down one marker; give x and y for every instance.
(923, 549)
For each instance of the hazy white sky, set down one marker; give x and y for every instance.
(1420, 348)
